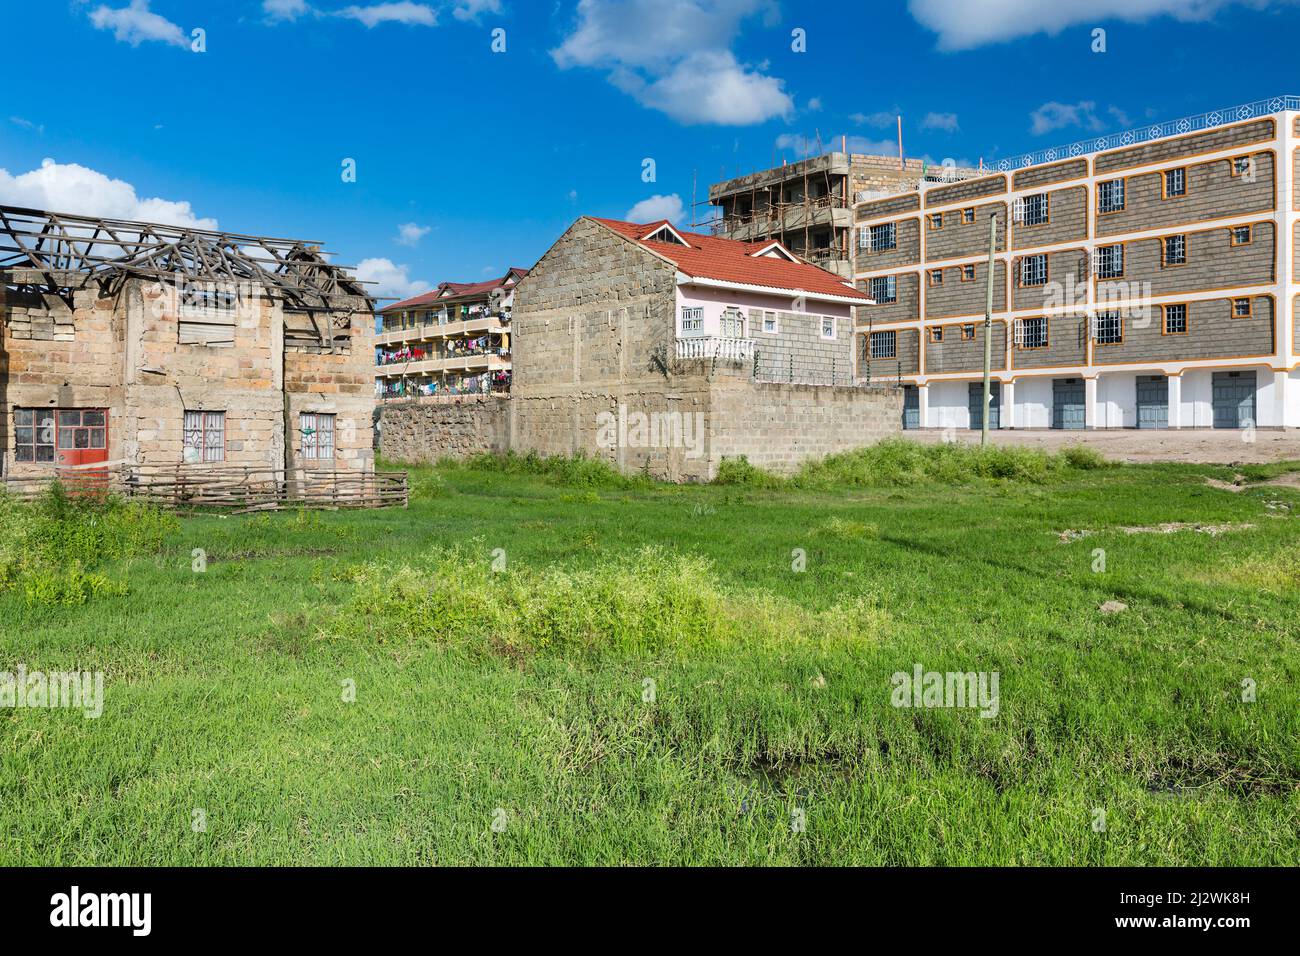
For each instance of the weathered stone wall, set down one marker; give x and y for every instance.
(428, 430)
(127, 353)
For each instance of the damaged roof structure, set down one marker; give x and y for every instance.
(162, 345)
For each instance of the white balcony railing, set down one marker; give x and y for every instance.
(716, 347)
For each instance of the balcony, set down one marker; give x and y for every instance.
(493, 360)
(716, 347)
(429, 331)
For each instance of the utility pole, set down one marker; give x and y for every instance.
(988, 325)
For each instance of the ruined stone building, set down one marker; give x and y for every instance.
(155, 345)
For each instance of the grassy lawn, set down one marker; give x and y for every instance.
(651, 678)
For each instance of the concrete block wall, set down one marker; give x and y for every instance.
(426, 431)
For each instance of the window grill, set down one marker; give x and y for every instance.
(1107, 328)
(1108, 261)
(1031, 333)
(884, 345)
(1033, 270)
(1110, 196)
(884, 289)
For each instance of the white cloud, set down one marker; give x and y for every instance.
(815, 103)
(471, 9)
(1053, 116)
(709, 86)
(880, 119)
(285, 9)
(412, 14)
(409, 233)
(136, 23)
(390, 279)
(965, 24)
(70, 188)
(675, 56)
(947, 122)
(805, 146)
(27, 124)
(656, 208)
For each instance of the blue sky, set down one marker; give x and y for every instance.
(470, 160)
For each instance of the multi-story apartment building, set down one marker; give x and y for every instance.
(454, 340)
(808, 206)
(1147, 279)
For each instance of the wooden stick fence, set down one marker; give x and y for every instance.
(249, 489)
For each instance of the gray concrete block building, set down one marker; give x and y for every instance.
(1143, 280)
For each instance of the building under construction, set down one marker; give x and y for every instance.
(133, 344)
(808, 206)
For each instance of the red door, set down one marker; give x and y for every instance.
(82, 439)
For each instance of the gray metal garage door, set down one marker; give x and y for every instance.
(1068, 403)
(911, 407)
(1152, 401)
(1234, 399)
(975, 399)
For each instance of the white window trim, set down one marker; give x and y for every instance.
(776, 322)
(821, 326)
(682, 330)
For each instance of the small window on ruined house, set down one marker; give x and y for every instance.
(34, 435)
(206, 314)
(205, 437)
(317, 430)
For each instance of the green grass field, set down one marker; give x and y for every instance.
(651, 680)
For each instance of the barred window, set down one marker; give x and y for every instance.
(317, 430)
(1107, 328)
(1175, 250)
(883, 237)
(1175, 182)
(1175, 319)
(1108, 261)
(1031, 333)
(968, 215)
(1033, 270)
(1033, 209)
(936, 220)
(1241, 308)
(692, 319)
(884, 289)
(1241, 235)
(205, 437)
(1110, 196)
(884, 345)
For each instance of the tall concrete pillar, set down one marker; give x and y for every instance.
(1090, 403)
(923, 405)
(1008, 404)
(1175, 401)
(1281, 379)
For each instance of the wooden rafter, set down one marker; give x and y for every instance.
(58, 245)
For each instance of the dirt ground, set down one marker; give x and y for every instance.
(1205, 446)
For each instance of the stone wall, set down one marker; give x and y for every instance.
(127, 353)
(426, 431)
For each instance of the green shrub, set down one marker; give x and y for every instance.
(738, 471)
(50, 548)
(1084, 457)
(578, 471)
(651, 602)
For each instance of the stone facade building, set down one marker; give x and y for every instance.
(1147, 279)
(666, 351)
(141, 344)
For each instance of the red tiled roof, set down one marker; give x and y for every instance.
(450, 291)
(729, 260)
